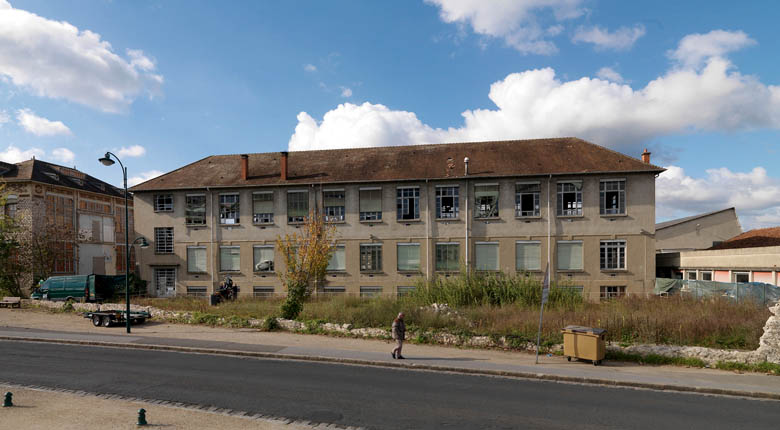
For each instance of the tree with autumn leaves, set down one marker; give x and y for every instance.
(306, 254)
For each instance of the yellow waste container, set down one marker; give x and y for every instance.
(587, 343)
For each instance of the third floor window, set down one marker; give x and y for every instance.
(408, 203)
(163, 202)
(486, 201)
(370, 204)
(612, 197)
(527, 199)
(263, 207)
(333, 205)
(570, 198)
(195, 211)
(447, 202)
(297, 206)
(228, 209)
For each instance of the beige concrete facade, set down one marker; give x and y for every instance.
(635, 227)
(732, 265)
(700, 232)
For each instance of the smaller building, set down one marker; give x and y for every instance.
(753, 256)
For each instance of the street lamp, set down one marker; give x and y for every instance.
(107, 161)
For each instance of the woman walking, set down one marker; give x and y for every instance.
(399, 333)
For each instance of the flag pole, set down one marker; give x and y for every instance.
(546, 282)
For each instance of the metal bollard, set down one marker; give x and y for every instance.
(7, 403)
(142, 417)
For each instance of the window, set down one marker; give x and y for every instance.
(333, 291)
(338, 261)
(163, 240)
(612, 197)
(613, 255)
(528, 255)
(447, 257)
(263, 258)
(197, 291)
(570, 255)
(408, 203)
(263, 207)
(446, 202)
(706, 276)
(527, 199)
(691, 276)
(611, 292)
(165, 280)
(297, 206)
(228, 209)
(577, 289)
(370, 291)
(163, 202)
(486, 255)
(486, 201)
(10, 206)
(408, 257)
(263, 291)
(333, 205)
(229, 258)
(570, 198)
(371, 257)
(741, 277)
(195, 211)
(404, 290)
(196, 259)
(370, 204)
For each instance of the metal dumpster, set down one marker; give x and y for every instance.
(586, 343)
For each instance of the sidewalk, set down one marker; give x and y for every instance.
(37, 325)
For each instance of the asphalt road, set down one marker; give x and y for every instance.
(377, 398)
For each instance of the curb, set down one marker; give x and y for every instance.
(412, 366)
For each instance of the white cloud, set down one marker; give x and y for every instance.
(310, 67)
(535, 104)
(694, 49)
(609, 74)
(55, 59)
(620, 40)
(517, 22)
(63, 155)
(346, 92)
(754, 194)
(13, 154)
(133, 151)
(4, 117)
(143, 177)
(40, 126)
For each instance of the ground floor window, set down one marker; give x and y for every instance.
(334, 290)
(576, 289)
(692, 276)
(611, 292)
(370, 257)
(404, 290)
(706, 276)
(370, 291)
(197, 291)
(447, 257)
(263, 291)
(165, 281)
(741, 277)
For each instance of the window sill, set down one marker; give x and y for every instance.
(237, 224)
(571, 271)
(296, 223)
(409, 272)
(230, 271)
(535, 271)
(446, 219)
(163, 253)
(336, 222)
(371, 221)
(529, 218)
(196, 225)
(613, 215)
(487, 218)
(372, 272)
(197, 273)
(614, 270)
(270, 272)
(336, 272)
(403, 221)
(570, 216)
(263, 224)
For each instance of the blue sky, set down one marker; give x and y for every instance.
(169, 82)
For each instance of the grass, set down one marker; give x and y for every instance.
(763, 367)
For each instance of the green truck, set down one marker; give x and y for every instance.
(88, 288)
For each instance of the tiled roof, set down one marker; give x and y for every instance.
(399, 163)
(673, 222)
(54, 174)
(752, 239)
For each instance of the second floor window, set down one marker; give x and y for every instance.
(163, 202)
(297, 206)
(612, 197)
(370, 204)
(263, 258)
(527, 200)
(263, 208)
(163, 240)
(570, 198)
(486, 255)
(447, 257)
(338, 260)
(613, 254)
(408, 203)
(195, 212)
(446, 202)
(229, 258)
(228, 209)
(371, 257)
(408, 257)
(486, 201)
(333, 205)
(570, 255)
(196, 259)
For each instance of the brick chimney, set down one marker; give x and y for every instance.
(284, 165)
(244, 167)
(646, 157)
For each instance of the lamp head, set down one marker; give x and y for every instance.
(106, 160)
(143, 243)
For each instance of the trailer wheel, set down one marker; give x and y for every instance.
(106, 321)
(96, 320)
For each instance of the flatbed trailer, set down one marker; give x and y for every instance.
(108, 318)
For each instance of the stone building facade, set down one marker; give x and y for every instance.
(402, 213)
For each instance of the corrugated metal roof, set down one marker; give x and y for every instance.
(673, 222)
(403, 163)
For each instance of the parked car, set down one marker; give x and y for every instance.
(90, 288)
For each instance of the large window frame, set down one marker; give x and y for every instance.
(370, 204)
(263, 258)
(197, 259)
(408, 257)
(447, 257)
(612, 196)
(528, 255)
(486, 256)
(334, 202)
(370, 257)
(338, 259)
(613, 255)
(163, 202)
(567, 252)
(527, 199)
(297, 206)
(447, 201)
(609, 292)
(569, 198)
(195, 209)
(408, 203)
(229, 208)
(486, 200)
(165, 281)
(230, 250)
(163, 240)
(263, 207)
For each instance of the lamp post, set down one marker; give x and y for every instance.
(107, 161)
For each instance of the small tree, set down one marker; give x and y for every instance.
(306, 255)
(11, 267)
